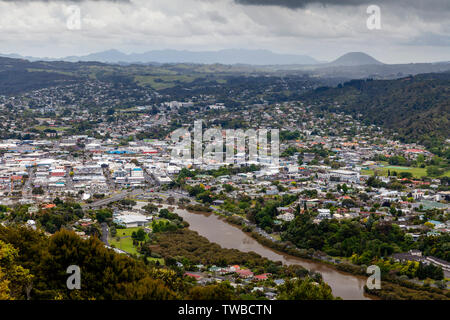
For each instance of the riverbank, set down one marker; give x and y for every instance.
(283, 247)
(300, 253)
(217, 230)
(392, 288)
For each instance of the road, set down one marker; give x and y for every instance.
(28, 190)
(147, 176)
(117, 197)
(69, 179)
(105, 232)
(109, 179)
(175, 194)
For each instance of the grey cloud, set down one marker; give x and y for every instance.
(296, 4)
(72, 1)
(216, 16)
(430, 39)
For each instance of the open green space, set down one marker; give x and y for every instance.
(42, 128)
(159, 82)
(416, 172)
(126, 242)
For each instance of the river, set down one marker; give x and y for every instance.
(212, 227)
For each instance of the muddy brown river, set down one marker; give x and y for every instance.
(212, 227)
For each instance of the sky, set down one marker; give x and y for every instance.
(410, 30)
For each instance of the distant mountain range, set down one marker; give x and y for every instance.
(349, 65)
(352, 65)
(229, 56)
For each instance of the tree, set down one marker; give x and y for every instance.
(164, 213)
(221, 291)
(349, 203)
(429, 271)
(375, 182)
(138, 235)
(227, 187)
(171, 200)
(397, 160)
(434, 171)
(406, 175)
(429, 225)
(38, 191)
(105, 274)
(392, 210)
(183, 201)
(304, 289)
(344, 188)
(205, 197)
(150, 208)
(4, 287)
(103, 215)
(15, 281)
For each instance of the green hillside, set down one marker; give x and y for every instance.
(417, 108)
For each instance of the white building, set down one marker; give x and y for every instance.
(132, 220)
(324, 214)
(343, 175)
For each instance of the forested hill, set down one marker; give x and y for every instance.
(417, 107)
(33, 266)
(17, 75)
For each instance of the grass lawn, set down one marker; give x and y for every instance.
(161, 260)
(159, 82)
(126, 232)
(42, 128)
(126, 242)
(276, 236)
(416, 172)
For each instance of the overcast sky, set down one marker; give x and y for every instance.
(411, 30)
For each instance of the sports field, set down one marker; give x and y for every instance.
(416, 172)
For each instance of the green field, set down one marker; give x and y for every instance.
(126, 242)
(159, 82)
(42, 128)
(416, 172)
